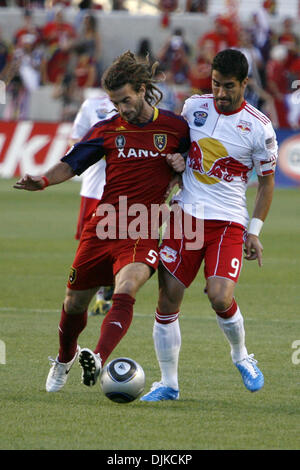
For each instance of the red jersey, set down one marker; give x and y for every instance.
(135, 156)
(56, 33)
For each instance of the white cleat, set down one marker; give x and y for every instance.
(58, 373)
(91, 366)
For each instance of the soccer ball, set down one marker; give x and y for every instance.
(122, 380)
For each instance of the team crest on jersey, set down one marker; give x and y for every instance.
(244, 127)
(120, 141)
(168, 255)
(72, 275)
(160, 141)
(200, 118)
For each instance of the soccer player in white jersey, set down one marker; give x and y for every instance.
(92, 110)
(229, 138)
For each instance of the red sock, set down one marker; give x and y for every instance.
(70, 327)
(115, 324)
(230, 310)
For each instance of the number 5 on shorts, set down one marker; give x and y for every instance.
(152, 256)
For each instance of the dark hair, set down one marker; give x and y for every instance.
(126, 69)
(92, 21)
(231, 63)
(144, 47)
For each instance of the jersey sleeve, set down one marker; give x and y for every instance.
(85, 153)
(266, 151)
(187, 104)
(185, 108)
(81, 123)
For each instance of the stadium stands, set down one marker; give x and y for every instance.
(57, 49)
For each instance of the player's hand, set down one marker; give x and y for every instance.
(176, 161)
(253, 249)
(30, 183)
(176, 181)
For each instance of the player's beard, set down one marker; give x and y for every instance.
(224, 106)
(229, 104)
(134, 116)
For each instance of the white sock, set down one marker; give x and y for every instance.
(233, 328)
(167, 343)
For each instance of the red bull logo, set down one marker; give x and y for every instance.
(196, 158)
(244, 127)
(227, 168)
(211, 163)
(168, 254)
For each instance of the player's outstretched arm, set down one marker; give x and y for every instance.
(57, 174)
(253, 247)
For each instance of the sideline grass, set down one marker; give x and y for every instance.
(214, 411)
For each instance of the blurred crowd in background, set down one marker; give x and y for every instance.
(68, 56)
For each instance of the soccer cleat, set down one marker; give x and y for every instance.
(100, 307)
(252, 377)
(91, 366)
(58, 373)
(160, 392)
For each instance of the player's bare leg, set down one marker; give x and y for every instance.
(131, 278)
(73, 321)
(221, 295)
(77, 301)
(167, 337)
(117, 321)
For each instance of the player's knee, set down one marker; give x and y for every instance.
(220, 301)
(74, 305)
(169, 300)
(126, 286)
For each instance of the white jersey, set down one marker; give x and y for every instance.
(225, 147)
(92, 111)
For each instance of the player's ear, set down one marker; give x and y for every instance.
(245, 82)
(142, 90)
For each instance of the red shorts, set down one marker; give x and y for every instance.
(88, 206)
(221, 249)
(97, 261)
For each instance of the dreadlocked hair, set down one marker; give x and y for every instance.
(126, 69)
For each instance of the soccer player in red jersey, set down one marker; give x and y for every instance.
(138, 144)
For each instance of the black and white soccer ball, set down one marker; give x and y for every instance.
(122, 380)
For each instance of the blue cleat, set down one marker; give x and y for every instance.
(252, 377)
(159, 392)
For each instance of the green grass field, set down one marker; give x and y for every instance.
(215, 411)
